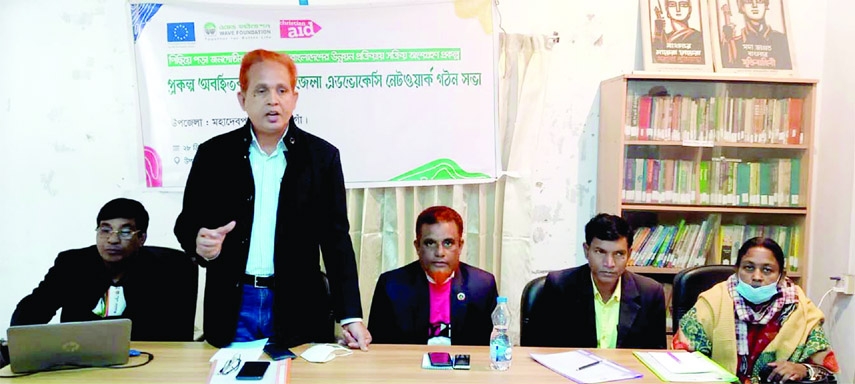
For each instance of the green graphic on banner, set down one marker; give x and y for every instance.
(321, 56)
(440, 169)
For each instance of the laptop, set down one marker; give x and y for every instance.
(44, 347)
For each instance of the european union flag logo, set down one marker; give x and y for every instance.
(180, 32)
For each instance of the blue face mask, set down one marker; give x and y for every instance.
(757, 295)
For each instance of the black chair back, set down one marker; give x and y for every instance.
(529, 296)
(690, 283)
(182, 275)
(4, 353)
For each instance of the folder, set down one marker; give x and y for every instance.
(684, 366)
(585, 367)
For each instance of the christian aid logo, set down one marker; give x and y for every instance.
(297, 29)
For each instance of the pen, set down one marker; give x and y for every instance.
(673, 357)
(588, 365)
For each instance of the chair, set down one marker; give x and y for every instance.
(4, 353)
(529, 296)
(690, 283)
(182, 273)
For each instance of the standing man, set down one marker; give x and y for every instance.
(609, 306)
(437, 299)
(261, 204)
(118, 277)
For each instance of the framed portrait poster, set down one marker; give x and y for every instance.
(752, 36)
(676, 35)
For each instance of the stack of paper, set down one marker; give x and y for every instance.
(684, 366)
(584, 367)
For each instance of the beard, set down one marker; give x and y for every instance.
(440, 275)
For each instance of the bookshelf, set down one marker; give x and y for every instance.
(699, 163)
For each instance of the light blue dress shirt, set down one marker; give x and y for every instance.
(267, 172)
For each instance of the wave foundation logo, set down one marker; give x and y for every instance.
(180, 32)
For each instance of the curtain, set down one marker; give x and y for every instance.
(521, 98)
(496, 216)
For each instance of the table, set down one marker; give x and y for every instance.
(188, 363)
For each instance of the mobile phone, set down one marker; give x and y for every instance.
(440, 359)
(461, 362)
(253, 370)
(278, 352)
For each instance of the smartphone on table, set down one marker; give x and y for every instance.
(253, 370)
(278, 352)
(440, 359)
(461, 362)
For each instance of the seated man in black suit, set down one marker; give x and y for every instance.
(600, 304)
(119, 278)
(436, 300)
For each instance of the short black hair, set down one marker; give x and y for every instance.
(123, 208)
(609, 228)
(762, 242)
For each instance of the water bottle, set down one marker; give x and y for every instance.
(500, 344)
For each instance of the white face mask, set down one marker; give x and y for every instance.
(321, 353)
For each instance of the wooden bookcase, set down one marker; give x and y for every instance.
(731, 151)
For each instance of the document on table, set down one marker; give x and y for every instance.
(250, 350)
(684, 366)
(584, 367)
(238, 354)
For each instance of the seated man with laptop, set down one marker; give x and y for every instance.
(118, 278)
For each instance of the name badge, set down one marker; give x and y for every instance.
(112, 303)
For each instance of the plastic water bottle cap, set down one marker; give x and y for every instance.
(501, 299)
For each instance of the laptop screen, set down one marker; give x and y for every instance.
(75, 344)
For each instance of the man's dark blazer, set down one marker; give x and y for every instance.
(563, 313)
(400, 310)
(311, 217)
(160, 288)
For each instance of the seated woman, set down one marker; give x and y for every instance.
(758, 317)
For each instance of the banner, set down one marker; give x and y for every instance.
(405, 91)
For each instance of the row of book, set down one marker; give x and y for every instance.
(719, 181)
(685, 245)
(731, 237)
(714, 119)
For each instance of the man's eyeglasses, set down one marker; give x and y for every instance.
(231, 365)
(124, 233)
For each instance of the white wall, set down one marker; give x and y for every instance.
(596, 42)
(832, 247)
(69, 129)
(69, 134)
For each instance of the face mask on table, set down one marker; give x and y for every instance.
(321, 353)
